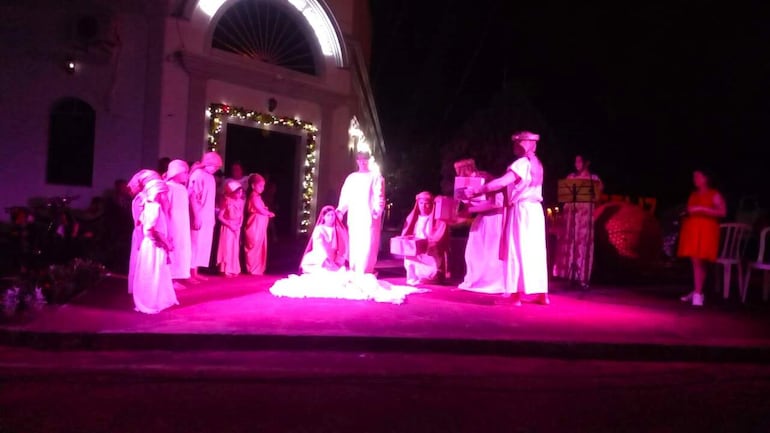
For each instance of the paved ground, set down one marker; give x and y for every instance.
(187, 392)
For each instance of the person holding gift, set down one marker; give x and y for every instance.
(483, 267)
(422, 224)
(522, 244)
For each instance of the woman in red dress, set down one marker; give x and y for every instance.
(699, 236)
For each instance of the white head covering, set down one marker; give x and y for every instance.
(175, 167)
(527, 140)
(140, 179)
(525, 135)
(232, 186)
(424, 196)
(155, 187)
(211, 159)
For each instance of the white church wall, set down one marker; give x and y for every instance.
(33, 78)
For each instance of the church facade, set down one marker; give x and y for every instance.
(95, 90)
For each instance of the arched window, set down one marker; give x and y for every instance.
(266, 31)
(71, 143)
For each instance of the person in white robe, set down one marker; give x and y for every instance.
(136, 187)
(202, 191)
(327, 248)
(153, 288)
(422, 224)
(363, 200)
(258, 217)
(179, 222)
(483, 267)
(523, 241)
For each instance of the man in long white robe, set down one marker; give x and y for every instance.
(179, 221)
(363, 199)
(522, 245)
(202, 190)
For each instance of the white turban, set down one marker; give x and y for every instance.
(176, 167)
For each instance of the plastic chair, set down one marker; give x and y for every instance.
(762, 263)
(734, 238)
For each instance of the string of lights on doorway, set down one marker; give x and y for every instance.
(218, 115)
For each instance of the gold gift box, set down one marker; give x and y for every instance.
(462, 182)
(446, 208)
(408, 246)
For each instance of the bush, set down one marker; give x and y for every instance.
(55, 285)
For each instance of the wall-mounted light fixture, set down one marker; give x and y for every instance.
(70, 65)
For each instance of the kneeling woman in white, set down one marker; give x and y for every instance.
(327, 247)
(153, 288)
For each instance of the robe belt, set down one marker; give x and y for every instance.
(526, 200)
(498, 211)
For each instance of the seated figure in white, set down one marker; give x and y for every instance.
(327, 247)
(422, 224)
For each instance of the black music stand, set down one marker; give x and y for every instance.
(579, 191)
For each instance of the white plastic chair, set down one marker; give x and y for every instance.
(762, 263)
(734, 237)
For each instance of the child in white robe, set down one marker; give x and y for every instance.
(231, 219)
(257, 221)
(152, 285)
(179, 221)
(136, 187)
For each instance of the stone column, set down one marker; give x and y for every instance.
(197, 123)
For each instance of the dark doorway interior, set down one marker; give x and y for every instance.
(274, 155)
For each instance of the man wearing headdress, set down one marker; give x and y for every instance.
(522, 246)
(363, 200)
(202, 189)
(422, 224)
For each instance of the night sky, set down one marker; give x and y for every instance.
(649, 90)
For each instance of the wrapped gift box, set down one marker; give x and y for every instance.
(446, 209)
(462, 182)
(408, 246)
